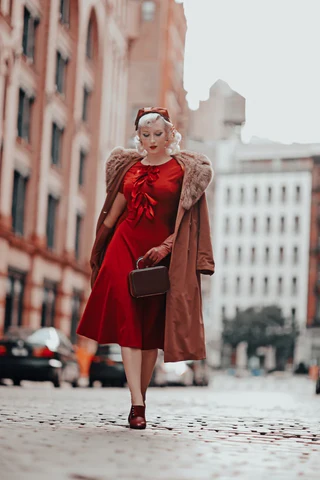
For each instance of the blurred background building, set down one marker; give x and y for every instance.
(73, 74)
(156, 62)
(65, 68)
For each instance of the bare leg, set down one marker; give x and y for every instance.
(149, 358)
(132, 360)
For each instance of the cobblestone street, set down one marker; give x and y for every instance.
(249, 428)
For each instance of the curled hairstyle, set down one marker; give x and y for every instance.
(173, 136)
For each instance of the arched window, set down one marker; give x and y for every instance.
(89, 45)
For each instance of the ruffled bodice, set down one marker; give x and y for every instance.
(152, 191)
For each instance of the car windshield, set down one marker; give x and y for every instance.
(108, 349)
(47, 336)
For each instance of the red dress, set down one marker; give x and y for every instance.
(111, 314)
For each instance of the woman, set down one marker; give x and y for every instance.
(155, 208)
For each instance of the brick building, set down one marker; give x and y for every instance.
(313, 316)
(156, 63)
(63, 91)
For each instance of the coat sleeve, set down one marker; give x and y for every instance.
(205, 260)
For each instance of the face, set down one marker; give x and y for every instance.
(153, 137)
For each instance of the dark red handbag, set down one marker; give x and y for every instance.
(148, 281)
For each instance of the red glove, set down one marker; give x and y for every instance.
(156, 254)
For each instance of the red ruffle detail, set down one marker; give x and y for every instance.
(142, 202)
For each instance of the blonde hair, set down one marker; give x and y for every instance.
(174, 136)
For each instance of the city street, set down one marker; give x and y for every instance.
(248, 428)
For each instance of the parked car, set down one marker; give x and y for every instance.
(107, 366)
(184, 373)
(45, 354)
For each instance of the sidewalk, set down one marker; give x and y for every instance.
(237, 428)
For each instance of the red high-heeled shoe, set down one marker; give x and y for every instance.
(137, 417)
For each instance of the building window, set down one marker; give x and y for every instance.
(298, 194)
(85, 105)
(29, 29)
(64, 11)
(56, 144)
(269, 195)
(241, 196)
(283, 194)
(24, 115)
(82, 163)
(281, 255)
(14, 298)
(317, 316)
(255, 195)
(268, 225)
(293, 314)
(226, 225)
(266, 255)
(89, 44)
(78, 235)
(224, 285)
(240, 225)
(252, 286)
(239, 255)
(294, 289)
(296, 224)
(295, 255)
(18, 202)
(148, 11)
(282, 225)
(238, 286)
(228, 196)
(223, 311)
(75, 314)
(280, 286)
(51, 221)
(265, 286)
(237, 310)
(225, 255)
(254, 225)
(60, 72)
(48, 303)
(253, 255)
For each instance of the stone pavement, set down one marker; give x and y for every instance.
(249, 428)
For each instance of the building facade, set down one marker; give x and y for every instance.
(313, 319)
(63, 90)
(156, 63)
(261, 232)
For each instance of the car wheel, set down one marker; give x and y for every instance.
(318, 386)
(16, 382)
(57, 380)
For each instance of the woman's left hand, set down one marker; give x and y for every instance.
(155, 255)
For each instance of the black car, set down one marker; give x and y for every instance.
(107, 366)
(45, 354)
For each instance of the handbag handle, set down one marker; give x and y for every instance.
(137, 262)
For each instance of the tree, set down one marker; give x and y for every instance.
(262, 327)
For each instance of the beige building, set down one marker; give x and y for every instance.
(214, 127)
(63, 91)
(156, 62)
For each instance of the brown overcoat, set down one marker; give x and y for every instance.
(191, 250)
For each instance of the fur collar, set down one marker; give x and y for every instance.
(198, 171)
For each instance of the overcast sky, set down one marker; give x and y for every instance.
(268, 51)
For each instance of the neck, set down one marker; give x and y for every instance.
(156, 158)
